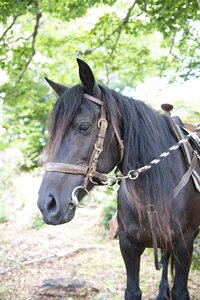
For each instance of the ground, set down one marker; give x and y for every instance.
(46, 263)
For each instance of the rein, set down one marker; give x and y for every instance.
(133, 174)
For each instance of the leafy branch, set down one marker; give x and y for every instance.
(20, 38)
(34, 35)
(121, 27)
(117, 30)
(9, 27)
(172, 44)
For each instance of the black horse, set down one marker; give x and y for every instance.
(88, 124)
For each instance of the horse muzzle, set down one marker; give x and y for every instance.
(52, 211)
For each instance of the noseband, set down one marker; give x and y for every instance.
(90, 171)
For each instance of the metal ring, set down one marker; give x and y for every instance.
(134, 174)
(74, 199)
(91, 179)
(111, 180)
(102, 120)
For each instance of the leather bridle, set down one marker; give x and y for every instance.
(90, 171)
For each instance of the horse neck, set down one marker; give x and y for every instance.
(145, 133)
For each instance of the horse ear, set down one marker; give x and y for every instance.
(87, 78)
(57, 87)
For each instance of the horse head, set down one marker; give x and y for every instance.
(82, 147)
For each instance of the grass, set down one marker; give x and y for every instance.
(37, 222)
(3, 216)
(4, 292)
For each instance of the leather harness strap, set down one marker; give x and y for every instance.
(120, 143)
(98, 146)
(90, 171)
(119, 140)
(186, 176)
(65, 168)
(93, 99)
(72, 169)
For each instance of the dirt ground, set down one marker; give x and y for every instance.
(77, 260)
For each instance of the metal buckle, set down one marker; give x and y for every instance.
(74, 199)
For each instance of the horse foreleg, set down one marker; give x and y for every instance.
(182, 262)
(131, 254)
(164, 292)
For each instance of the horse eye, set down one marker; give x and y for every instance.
(84, 127)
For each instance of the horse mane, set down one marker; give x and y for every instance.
(146, 135)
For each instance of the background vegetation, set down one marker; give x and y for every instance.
(124, 42)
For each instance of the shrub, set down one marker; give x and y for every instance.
(10, 159)
(109, 205)
(196, 255)
(37, 221)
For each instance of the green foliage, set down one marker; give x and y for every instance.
(3, 216)
(4, 291)
(118, 39)
(191, 116)
(37, 222)
(10, 159)
(25, 121)
(109, 206)
(12, 8)
(196, 255)
(67, 10)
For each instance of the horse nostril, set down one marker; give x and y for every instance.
(51, 203)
